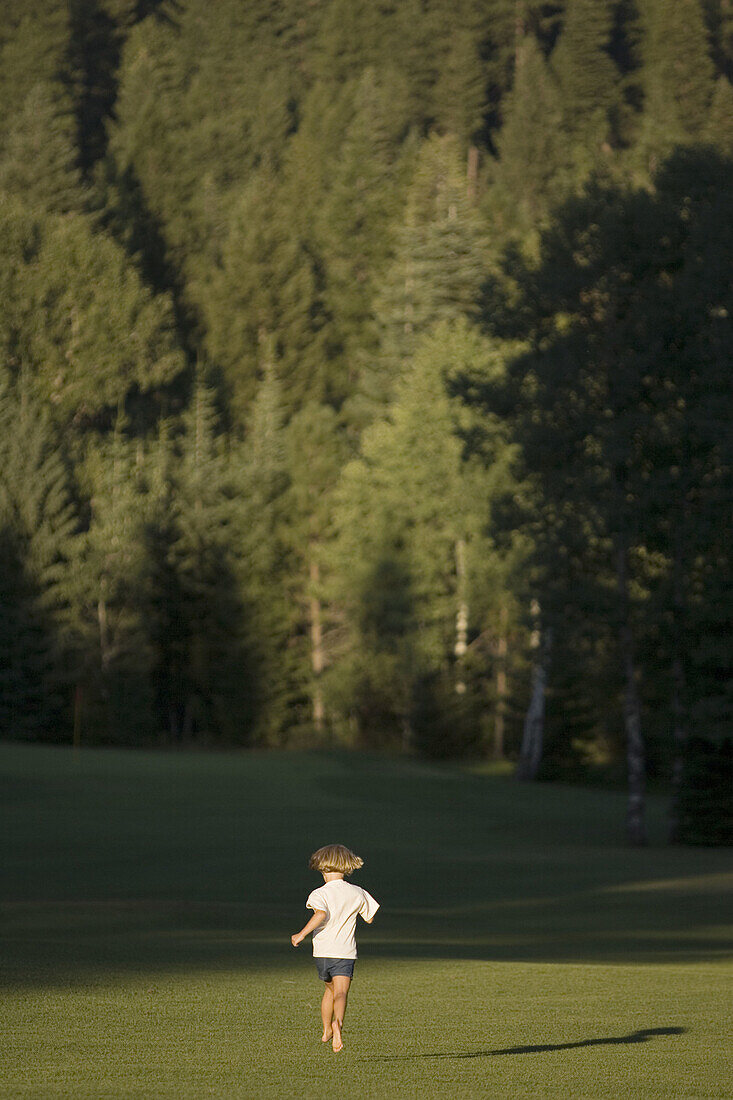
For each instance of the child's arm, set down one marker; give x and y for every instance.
(316, 920)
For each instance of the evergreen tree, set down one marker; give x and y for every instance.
(588, 80)
(107, 590)
(38, 135)
(77, 316)
(35, 43)
(354, 219)
(37, 529)
(314, 191)
(678, 80)
(436, 271)
(97, 31)
(31, 702)
(316, 450)
(719, 129)
(264, 567)
(267, 288)
(39, 158)
(411, 521)
(201, 668)
(460, 91)
(530, 173)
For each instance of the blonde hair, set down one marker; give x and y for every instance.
(335, 857)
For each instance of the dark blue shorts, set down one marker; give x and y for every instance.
(330, 968)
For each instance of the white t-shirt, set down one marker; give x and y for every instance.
(342, 903)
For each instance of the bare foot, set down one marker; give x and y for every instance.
(326, 1036)
(337, 1040)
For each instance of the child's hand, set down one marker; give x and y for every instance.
(296, 939)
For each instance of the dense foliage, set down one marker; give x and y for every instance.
(337, 337)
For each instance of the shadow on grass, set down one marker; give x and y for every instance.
(81, 943)
(123, 863)
(642, 1036)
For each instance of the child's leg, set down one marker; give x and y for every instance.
(340, 994)
(327, 1011)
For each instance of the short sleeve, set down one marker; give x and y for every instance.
(369, 906)
(316, 900)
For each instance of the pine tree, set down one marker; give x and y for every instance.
(38, 132)
(460, 92)
(31, 702)
(316, 450)
(268, 288)
(587, 78)
(719, 130)
(530, 172)
(436, 272)
(411, 516)
(37, 529)
(34, 43)
(678, 80)
(77, 316)
(202, 667)
(39, 158)
(355, 216)
(264, 567)
(106, 585)
(97, 33)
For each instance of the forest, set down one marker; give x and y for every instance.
(365, 382)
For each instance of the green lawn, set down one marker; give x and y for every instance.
(521, 950)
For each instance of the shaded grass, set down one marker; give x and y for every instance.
(522, 949)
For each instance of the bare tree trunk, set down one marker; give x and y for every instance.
(501, 691)
(534, 723)
(472, 173)
(316, 646)
(462, 613)
(635, 757)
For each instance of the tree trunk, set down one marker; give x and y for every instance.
(636, 765)
(316, 646)
(472, 173)
(501, 692)
(534, 723)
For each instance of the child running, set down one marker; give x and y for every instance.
(335, 906)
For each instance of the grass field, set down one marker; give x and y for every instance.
(521, 950)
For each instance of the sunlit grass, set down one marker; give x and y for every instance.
(522, 950)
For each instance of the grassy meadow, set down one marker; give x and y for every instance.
(522, 950)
